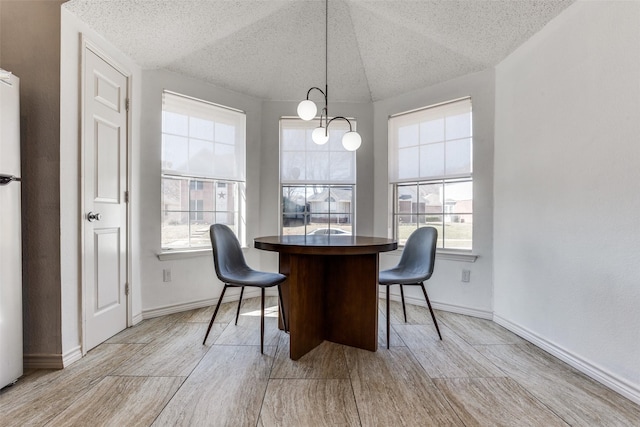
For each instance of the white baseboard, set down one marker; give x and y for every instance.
(467, 311)
(71, 356)
(177, 308)
(137, 319)
(612, 381)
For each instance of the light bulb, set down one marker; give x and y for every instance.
(307, 109)
(320, 135)
(351, 141)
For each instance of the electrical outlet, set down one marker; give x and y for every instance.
(466, 276)
(166, 275)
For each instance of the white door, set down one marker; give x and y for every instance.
(104, 155)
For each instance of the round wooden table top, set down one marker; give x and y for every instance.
(325, 244)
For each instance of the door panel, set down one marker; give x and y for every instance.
(107, 164)
(107, 247)
(105, 211)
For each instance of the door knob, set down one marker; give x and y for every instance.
(91, 216)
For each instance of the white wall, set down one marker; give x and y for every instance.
(193, 283)
(70, 199)
(567, 155)
(445, 288)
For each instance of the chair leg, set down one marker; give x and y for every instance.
(433, 316)
(284, 317)
(239, 304)
(404, 309)
(388, 322)
(215, 312)
(262, 324)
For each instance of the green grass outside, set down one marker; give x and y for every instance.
(458, 235)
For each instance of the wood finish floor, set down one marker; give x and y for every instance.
(158, 373)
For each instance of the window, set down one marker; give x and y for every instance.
(203, 170)
(430, 169)
(318, 181)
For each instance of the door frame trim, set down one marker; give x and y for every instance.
(87, 44)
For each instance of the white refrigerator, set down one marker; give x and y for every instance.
(10, 231)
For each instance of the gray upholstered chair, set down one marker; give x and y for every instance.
(233, 271)
(415, 266)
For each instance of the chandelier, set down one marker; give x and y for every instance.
(307, 109)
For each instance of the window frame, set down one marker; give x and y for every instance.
(396, 182)
(329, 185)
(447, 215)
(181, 208)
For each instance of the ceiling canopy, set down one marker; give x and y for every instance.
(274, 49)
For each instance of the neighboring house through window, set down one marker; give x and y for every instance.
(318, 181)
(430, 170)
(203, 170)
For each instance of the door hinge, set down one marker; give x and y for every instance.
(126, 104)
(126, 289)
(126, 197)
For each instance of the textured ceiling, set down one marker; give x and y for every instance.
(275, 49)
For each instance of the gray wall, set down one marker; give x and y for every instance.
(30, 48)
(567, 258)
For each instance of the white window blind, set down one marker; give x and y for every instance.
(202, 139)
(431, 143)
(303, 161)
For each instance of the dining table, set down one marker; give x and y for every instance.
(331, 290)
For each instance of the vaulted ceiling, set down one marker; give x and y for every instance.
(275, 49)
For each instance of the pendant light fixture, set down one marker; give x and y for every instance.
(307, 109)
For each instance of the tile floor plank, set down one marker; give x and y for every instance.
(478, 331)
(325, 361)
(226, 389)
(576, 398)
(315, 402)
(416, 315)
(450, 357)
(37, 402)
(226, 313)
(247, 331)
(120, 401)
(395, 339)
(175, 353)
(391, 389)
(496, 402)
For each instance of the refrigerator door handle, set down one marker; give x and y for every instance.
(6, 179)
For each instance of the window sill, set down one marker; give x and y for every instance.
(456, 256)
(182, 254)
(448, 255)
(167, 255)
(194, 253)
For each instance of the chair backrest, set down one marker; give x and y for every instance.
(419, 254)
(227, 254)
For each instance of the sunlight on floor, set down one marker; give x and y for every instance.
(268, 312)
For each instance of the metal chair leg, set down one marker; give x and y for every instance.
(284, 317)
(239, 304)
(433, 316)
(404, 309)
(215, 312)
(262, 324)
(388, 322)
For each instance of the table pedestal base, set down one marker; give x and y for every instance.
(330, 297)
